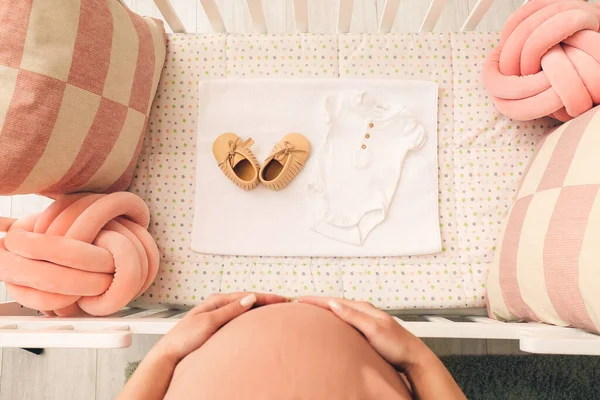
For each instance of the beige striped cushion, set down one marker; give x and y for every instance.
(548, 265)
(76, 86)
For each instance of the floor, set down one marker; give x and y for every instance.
(98, 374)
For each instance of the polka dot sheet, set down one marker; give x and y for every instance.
(481, 159)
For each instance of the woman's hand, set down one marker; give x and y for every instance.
(205, 319)
(395, 344)
(428, 377)
(153, 376)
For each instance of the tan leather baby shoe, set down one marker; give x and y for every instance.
(285, 161)
(236, 160)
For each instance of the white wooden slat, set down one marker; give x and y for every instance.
(126, 312)
(568, 341)
(469, 330)
(145, 314)
(168, 12)
(178, 316)
(57, 337)
(433, 14)
(96, 332)
(434, 318)
(257, 14)
(214, 15)
(149, 325)
(301, 15)
(166, 314)
(476, 15)
(187, 12)
(276, 15)
(364, 17)
(344, 16)
(388, 16)
(483, 320)
(5, 202)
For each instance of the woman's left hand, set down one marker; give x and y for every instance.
(205, 319)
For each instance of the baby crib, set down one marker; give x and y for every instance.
(21, 327)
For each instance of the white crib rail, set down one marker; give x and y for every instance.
(345, 10)
(301, 15)
(214, 16)
(21, 327)
(388, 16)
(433, 14)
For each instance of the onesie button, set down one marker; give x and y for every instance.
(371, 125)
(367, 136)
(364, 146)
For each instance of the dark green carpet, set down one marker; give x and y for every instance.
(526, 377)
(530, 377)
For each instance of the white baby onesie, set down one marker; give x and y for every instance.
(358, 166)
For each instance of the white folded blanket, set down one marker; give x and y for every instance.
(262, 222)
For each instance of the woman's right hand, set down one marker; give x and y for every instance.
(428, 377)
(393, 342)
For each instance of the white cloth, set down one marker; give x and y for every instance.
(359, 164)
(262, 222)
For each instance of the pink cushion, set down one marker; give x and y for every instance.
(547, 267)
(84, 252)
(547, 62)
(286, 351)
(76, 86)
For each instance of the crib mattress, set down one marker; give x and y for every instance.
(481, 155)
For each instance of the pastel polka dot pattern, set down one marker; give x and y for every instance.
(481, 158)
(288, 55)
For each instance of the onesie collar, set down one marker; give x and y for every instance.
(371, 108)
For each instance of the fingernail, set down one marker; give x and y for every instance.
(335, 306)
(248, 300)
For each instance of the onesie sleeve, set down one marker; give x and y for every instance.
(414, 133)
(333, 106)
(418, 136)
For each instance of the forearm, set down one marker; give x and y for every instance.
(151, 379)
(430, 380)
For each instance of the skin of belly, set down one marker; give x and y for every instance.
(286, 351)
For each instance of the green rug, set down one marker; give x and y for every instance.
(530, 377)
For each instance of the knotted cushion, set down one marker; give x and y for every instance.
(85, 252)
(548, 61)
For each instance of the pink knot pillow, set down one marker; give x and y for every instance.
(548, 61)
(84, 252)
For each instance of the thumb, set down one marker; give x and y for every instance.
(235, 308)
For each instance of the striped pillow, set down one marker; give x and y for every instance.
(547, 267)
(76, 86)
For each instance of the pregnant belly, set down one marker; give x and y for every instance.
(286, 351)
